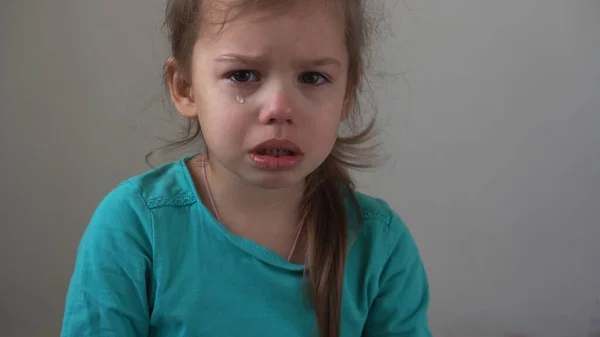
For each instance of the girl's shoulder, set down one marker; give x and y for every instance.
(385, 253)
(370, 207)
(129, 206)
(381, 234)
(165, 185)
(374, 212)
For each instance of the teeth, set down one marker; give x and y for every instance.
(276, 152)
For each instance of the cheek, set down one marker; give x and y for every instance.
(224, 119)
(335, 110)
(328, 123)
(212, 104)
(218, 115)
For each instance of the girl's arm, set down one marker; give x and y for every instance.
(400, 309)
(108, 291)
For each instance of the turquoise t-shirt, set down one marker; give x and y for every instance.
(154, 261)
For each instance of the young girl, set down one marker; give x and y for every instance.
(262, 233)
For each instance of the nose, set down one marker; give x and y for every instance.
(278, 109)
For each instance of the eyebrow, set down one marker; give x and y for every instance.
(248, 60)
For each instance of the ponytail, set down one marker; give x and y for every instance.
(327, 241)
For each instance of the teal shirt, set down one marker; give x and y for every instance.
(154, 261)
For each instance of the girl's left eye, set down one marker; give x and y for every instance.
(313, 78)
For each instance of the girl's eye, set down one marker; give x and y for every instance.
(243, 76)
(312, 78)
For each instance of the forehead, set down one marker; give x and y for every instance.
(313, 28)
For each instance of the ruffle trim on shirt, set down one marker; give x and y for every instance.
(178, 200)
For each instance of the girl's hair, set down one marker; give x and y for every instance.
(329, 186)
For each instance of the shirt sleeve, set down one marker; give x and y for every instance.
(107, 294)
(400, 308)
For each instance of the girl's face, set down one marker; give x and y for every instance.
(266, 77)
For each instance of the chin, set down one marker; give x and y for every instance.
(276, 180)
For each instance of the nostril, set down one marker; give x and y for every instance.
(273, 120)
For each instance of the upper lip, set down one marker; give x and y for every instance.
(277, 144)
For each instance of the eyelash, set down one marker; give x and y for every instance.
(230, 77)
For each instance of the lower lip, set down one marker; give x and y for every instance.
(275, 163)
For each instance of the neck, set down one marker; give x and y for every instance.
(246, 205)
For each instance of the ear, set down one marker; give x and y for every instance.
(180, 89)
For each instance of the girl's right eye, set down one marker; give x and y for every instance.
(242, 76)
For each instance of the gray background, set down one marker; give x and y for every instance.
(493, 132)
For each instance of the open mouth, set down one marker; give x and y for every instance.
(276, 148)
(275, 152)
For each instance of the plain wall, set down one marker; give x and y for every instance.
(492, 125)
